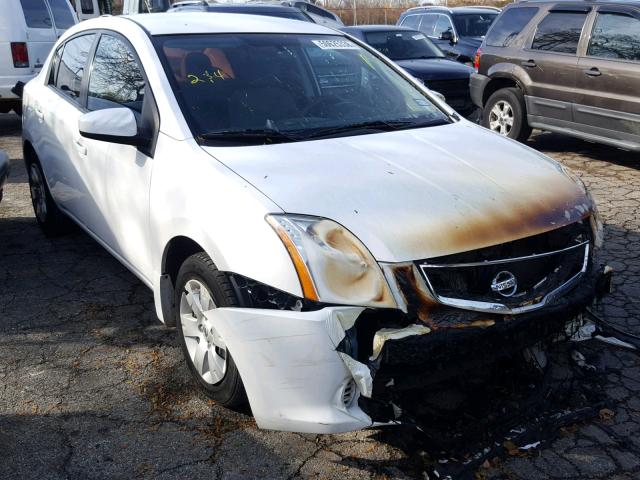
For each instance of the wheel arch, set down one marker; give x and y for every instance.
(498, 83)
(175, 252)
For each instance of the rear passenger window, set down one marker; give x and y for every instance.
(62, 14)
(36, 14)
(509, 25)
(72, 65)
(559, 32)
(411, 21)
(615, 36)
(116, 78)
(55, 62)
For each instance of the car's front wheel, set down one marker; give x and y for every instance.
(200, 289)
(505, 113)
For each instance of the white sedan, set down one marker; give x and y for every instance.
(324, 233)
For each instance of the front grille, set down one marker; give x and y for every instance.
(511, 275)
(456, 92)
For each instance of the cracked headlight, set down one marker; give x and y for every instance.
(332, 264)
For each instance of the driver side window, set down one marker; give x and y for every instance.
(116, 78)
(443, 25)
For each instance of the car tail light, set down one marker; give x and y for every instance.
(20, 54)
(476, 60)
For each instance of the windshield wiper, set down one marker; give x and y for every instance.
(265, 135)
(383, 126)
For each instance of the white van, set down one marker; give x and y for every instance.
(132, 7)
(28, 30)
(86, 9)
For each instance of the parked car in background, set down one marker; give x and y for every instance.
(320, 15)
(324, 233)
(28, 30)
(132, 7)
(4, 171)
(414, 52)
(86, 9)
(566, 67)
(266, 9)
(457, 31)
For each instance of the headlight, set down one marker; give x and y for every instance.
(596, 221)
(332, 264)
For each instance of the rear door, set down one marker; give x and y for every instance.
(551, 62)
(66, 167)
(609, 77)
(40, 31)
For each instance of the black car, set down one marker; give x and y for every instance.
(4, 170)
(414, 52)
(457, 31)
(268, 10)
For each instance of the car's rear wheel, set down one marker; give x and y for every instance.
(51, 220)
(505, 113)
(200, 289)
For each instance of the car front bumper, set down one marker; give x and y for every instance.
(477, 84)
(298, 368)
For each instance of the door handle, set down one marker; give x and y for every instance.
(529, 64)
(39, 113)
(81, 147)
(593, 72)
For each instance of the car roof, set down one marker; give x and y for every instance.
(262, 7)
(196, 22)
(377, 28)
(633, 3)
(454, 10)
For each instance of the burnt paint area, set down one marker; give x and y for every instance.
(459, 343)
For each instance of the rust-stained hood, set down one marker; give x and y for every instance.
(415, 194)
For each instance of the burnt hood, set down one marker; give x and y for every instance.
(416, 194)
(430, 69)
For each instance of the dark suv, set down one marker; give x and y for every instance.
(563, 66)
(457, 31)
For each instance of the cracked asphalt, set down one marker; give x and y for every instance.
(93, 386)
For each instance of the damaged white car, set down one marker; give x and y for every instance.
(323, 232)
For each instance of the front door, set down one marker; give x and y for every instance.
(609, 77)
(123, 171)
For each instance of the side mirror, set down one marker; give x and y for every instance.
(114, 125)
(439, 96)
(448, 36)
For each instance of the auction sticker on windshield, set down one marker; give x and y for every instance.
(336, 44)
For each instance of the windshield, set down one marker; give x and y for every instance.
(265, 88)
(473, 24)
(403, 45)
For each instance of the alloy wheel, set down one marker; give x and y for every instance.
(206, 348)
(501, 118)
(38, 193)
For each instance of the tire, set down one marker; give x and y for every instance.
(209, 361)
(506, 114)
(51, 220)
